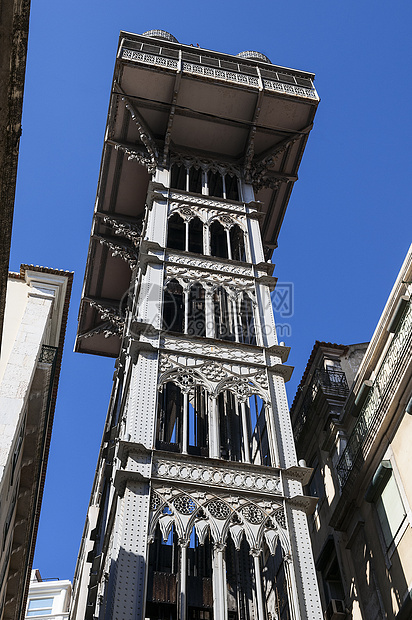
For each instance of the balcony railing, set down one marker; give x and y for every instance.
(331, 382)
(284, 81)
(375, 406)
(48, 354)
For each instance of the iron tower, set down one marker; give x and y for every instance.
(197, 510)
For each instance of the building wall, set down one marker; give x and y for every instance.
(48, 599)
(363, 464)
(35, 321)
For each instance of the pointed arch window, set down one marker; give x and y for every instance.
(198, 422)
(178, 177)
(170, 418)
(176, 233)
(218, 240)
(231, 187)
(215, 184)
(237, 243)
(239, 580)
(162, 577)
(224, 316)
(230, 427)
(195, 180)
(173, 307)
(259, 440)
(247, 329)
(196, 322)
(195, 244)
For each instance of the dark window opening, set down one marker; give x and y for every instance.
(218, 240)
(232, 187)
(275, 584)
(247, 331)
(230, 425)
(316, 487)
(196, 236)
(196, 325)
(237, 243)
(162, 581)
(173, 308)
(178, 177)
(328, 565)
(176, 233)
(195, 180)
(170, 418)
(198, 422)
(215, 184)
(259, 445)
(240, 581)
(224, 319)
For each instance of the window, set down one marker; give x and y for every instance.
(185, 235)
(173, 308)
(224, 316)
(384, 493)
(195, 236)
(218, 240)
(196, 324)
(176, 234)
(214, 183)
(170, 418)
(328, 565)
(237, 243)
(39, 607)
(316, 487)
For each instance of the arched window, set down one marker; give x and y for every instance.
(259, 443)
(170, 418)
(232, 187)
(224, 317)
(230, 426)
(162, 577)
(239, 580)
(275, 584)
(173, 308)
(178, 177)
(176, 233)
(196, 323)
(195, 236)
(199, 578)
(237, 243)
(218, 240)
(195, 180)
(215, 184)
(247, 329)
(198, 422)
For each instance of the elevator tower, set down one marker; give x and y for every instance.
(197, 510)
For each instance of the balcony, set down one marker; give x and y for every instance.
(331, 383)
(220, 67)
(379, 398)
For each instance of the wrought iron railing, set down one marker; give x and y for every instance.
(330, 382)
(47, 354)
(290, 83)
(374, 408)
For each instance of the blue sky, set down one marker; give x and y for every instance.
(348, 224)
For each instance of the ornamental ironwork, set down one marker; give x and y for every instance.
(252, 514)
(184, 504)
(373, 410)
(219, 509)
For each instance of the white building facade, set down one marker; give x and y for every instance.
(34, 328)
(48, 600)
(197, 508)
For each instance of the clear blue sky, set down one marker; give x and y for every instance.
(348, 224)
